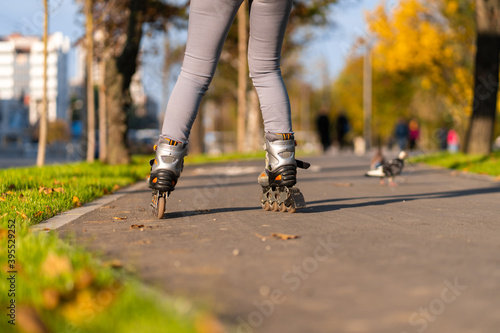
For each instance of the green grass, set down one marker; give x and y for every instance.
(481, 164)
(63, 287)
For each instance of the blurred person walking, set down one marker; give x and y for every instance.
(414, 133)
(323, 126)
(342, 127)
(401, 133)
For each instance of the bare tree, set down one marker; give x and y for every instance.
(90, 81)
(482, 121)
(103, 115)
(42, 140)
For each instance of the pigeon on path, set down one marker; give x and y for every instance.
(388, 169)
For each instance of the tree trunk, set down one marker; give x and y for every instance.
(42, 139)
(255, 132)
(90, 82)
(119, 72)
(103, 117)
(118, 152)
(242, 76)
(482, 121)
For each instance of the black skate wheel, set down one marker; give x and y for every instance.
(291, 209)
(283, 208)
(266, 206)
(161, 207)
(275, 207)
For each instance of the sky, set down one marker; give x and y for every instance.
(331, 45)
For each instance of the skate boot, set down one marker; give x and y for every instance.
(166, 168)
(280, 175)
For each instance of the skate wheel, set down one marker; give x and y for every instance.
(291, 209)
(275, 207)
(266, 206)
(161, 207)
(283, 208)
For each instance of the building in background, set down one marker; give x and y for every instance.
(21, 83)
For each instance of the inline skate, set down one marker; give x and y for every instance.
(280, 175)
(166, 168)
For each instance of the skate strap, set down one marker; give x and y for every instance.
(302, 164)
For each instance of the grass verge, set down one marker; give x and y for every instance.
(481, 164)
(63, 288)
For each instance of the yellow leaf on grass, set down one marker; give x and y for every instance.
(22, 215)
(50, 298)
(3, 233)
(29, 320)
(45, 190)
(55, 265)
(76, 202)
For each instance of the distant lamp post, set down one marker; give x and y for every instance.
(367, 91)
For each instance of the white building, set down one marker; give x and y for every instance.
(21, 73)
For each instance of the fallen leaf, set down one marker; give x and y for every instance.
(50, 298)
(119, 218)
(55, 265)
(342, 184)
(2, 199)
(284, 236)
(208, 324)
(46, 229)
(9, 193)
(76, 202)
(29, 320)
(115, 263)
(137, 226)
(39, 213)
(116, 187)
(3, 233)
(58, 190)
(45, 190)
(84, 279)
(22, 215)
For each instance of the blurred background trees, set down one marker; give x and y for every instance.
(424, 67)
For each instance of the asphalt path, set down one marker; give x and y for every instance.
(423, 256)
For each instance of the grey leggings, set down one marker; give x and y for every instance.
(209, 23)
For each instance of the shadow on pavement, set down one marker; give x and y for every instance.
(174, 215)
(396, 198)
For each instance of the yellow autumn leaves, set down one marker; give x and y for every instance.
(423, 53)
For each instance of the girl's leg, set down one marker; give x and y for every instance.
(209, 23)
(268, 21)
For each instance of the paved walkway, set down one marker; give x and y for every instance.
(420, 257)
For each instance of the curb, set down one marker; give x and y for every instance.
(71, 215)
